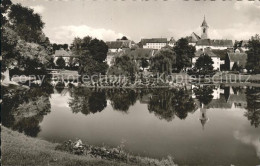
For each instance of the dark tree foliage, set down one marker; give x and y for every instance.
(92, 54)
(253, 106)
(204, 62)
(23, 110)
(144, 63)
(166, 104)
(26, 23)
(61, 63)
(164, 61)
(253, 53)
(124, 38)
(87, 101)
(204, 94)
(184, 53)
(5, 4)
(121, 100)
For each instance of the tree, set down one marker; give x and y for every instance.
(124, 65)
(26, 23)
(124, 38)
(253, 106)
(164, 61)
(205, 63)
(61, 63)
(184, 53)
(204, 94)
(253, 54)
(5, 5)
(92, 54)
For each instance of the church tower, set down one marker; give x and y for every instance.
(204, 29)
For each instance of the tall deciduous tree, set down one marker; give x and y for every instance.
(92, 54)
(164, 61)
(204, 63)
(184, 52)
(253, 53)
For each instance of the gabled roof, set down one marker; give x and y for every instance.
(154, 40)
(207, 51)
(172, 40)
(221, 53)
(216, 43)
(238, 57)
(193, 38)
(141, 53)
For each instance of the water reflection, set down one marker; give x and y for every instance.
(23, 110)
(253, 105)
(165, 104)
(87, 101)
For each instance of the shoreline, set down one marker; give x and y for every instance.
(26, 150)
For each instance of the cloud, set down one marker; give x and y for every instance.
(236, 31)
(38, 8)
(65, 34)
(249, 139)
(251, 9)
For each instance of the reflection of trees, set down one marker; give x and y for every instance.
(167, 103)
(253, 106)
(121, 100)
(87, 101)
(24, 109)
(204, 94)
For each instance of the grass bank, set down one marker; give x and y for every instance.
(18, 149)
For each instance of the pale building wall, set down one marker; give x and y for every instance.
(154, 45)
(212, 47)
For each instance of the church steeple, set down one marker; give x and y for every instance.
(204, 29)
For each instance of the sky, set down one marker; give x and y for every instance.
(111, 19)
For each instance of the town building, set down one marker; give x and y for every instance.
(206, 42)
(119, 45)
(193, 39)
(207, 51)
(153, 43)
(236, 61)
(68, 56)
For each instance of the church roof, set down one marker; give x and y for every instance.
(204, 23)
(216, 43)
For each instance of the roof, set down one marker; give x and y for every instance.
(141, 53)
(216, 43)
(118, 44)
(207, 51)
(204, 23)
(193, 38)
(221, 53)
(238, 57)
(154, 40)
(63, 53)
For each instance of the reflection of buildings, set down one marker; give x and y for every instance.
(226, 97)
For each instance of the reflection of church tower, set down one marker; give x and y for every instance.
(204, 29)
(203, 116)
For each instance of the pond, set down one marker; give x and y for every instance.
(197, 125)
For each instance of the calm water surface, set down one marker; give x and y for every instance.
(206, 125)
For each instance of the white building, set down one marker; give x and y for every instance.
(154, 43)
(215, 58)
